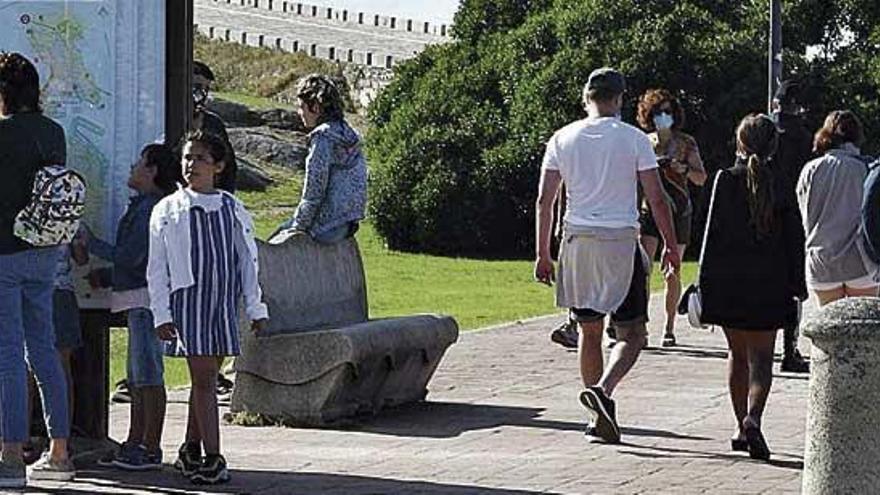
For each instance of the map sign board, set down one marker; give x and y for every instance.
(102, 75)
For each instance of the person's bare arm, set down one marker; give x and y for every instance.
(696, 173)
(653, 189)
(547, 191)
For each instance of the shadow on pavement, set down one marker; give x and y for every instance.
(246, 482)
(689, 351)
(792, 376)
(451, 419)
(657, 452)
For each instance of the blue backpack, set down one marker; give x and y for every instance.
(871, 212)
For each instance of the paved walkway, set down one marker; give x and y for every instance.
(503, 417)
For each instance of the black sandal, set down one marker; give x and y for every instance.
(758, 448)
(739, 445)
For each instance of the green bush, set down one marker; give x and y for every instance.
(456, 141)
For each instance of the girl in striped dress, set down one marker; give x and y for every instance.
(203, 258)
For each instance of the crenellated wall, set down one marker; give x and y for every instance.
(368, 45)
(388, 22)
(346, 55)
(361, 38)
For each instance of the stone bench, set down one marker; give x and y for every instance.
(322, 359)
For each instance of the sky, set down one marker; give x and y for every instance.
(424, 10)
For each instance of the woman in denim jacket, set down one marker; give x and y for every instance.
(335, 192)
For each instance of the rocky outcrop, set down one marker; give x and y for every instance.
(281, 148)
(279, 118)
(234, 114)
(250, 176)
(238, 115)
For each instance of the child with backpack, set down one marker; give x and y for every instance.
(203, 257)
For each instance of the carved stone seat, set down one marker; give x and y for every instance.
(322, 359)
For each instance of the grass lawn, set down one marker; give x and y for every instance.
(477, 293)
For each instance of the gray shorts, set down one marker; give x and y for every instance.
(596, 268)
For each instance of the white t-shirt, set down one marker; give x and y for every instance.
(599, 160)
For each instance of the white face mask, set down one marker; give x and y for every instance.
(663, 121)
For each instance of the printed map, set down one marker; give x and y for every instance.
(72, 45)
(102, 76)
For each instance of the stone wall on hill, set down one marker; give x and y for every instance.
(361, 38)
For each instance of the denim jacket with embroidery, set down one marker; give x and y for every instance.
(335, 190)
(131, 251)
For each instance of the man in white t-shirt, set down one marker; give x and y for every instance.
(602, 270)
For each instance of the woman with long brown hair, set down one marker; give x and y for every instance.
(751, 273)
(829, 195)
(662, 117)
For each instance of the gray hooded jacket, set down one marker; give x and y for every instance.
(335, 191)
(829, 194)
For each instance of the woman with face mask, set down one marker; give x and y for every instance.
(662, 117)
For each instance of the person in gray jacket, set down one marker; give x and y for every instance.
(829, 193)
(334, 196)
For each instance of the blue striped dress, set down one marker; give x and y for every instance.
(206, 314)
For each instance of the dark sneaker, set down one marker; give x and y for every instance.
(111, 457)
(566, 335)
(189, 458)
(212, 471)
(31, 453)
(611, 332)
(13, 474)
(138, 458)
(795, 363)
(121, 395)
(224, 385)
(669, 340)
(594, 399)
(590, 430)
(107, 460)
(50, 470)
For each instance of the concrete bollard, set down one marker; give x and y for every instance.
(843, 423)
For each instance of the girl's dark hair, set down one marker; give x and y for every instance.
(168, 173)
(19, 83)
(757, 140)
(841, 126)
(215, 144)
(318, 90)
(651, 101)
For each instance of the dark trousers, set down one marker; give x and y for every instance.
(789, 340)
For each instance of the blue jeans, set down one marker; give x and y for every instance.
(145, 351)
(337, 234)
(27, 337)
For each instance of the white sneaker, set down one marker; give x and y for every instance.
(49, 470)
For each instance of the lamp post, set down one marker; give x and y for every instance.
(775, 62)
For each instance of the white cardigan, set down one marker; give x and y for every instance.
(170, 263)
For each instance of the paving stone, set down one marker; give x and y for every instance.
(503, 417)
